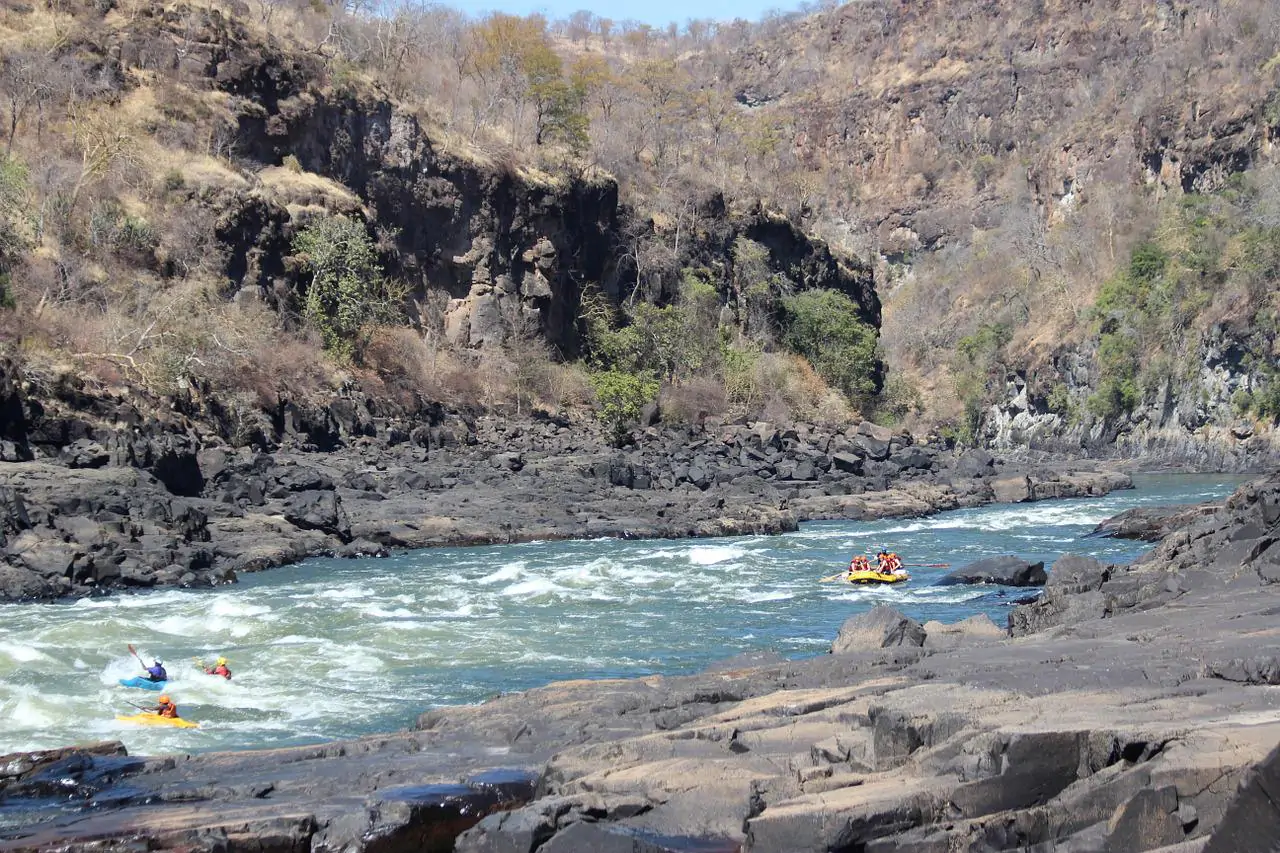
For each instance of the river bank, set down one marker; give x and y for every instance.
(1125, 716)
(116, 512)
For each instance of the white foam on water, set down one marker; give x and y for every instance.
(508, 572)
(383, 613)
(345, 592)
(227, 605)
(709, 555)
(533, 588)
(757, 597)
(23, 653)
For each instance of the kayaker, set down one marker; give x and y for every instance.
(164, 707)
(156, 672)
(219, 668)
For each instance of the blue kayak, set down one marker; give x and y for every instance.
(143, 682)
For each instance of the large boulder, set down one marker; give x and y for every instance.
(1153, 523)
(1072, 594)
(881, 627)
(1252, 821)
(1006, 571)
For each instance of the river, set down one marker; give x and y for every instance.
(330, 648)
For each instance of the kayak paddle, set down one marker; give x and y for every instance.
(134, 652)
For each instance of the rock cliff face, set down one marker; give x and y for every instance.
(508, 245)
(1193, 426)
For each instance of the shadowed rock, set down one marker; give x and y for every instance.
(878, 628)
(1006, 571)
(1251, 823)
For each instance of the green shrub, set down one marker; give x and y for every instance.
(1266, 402)
(739, 366)
(347, 289)
(1241, 401)
(1059, 400)
(174, 180)
(823, 326)
(622, 396)
(1115, 396)
(899, 399)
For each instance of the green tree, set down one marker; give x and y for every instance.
(13, 242)
(823, 326)
(622, 396)
(348, 289)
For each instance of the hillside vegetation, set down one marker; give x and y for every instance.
(199, 201)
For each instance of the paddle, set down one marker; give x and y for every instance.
(926, 565)
(832, 577)
(134, 652)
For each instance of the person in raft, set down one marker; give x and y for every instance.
(889, 563)
(164, 707)
(219, 668)
(156, 672)
(860, 563)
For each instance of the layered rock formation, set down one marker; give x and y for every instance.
(1130, 727)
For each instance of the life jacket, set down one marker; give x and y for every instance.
(157, 673)
(170, 710)
(859, 564)
(219, 670)
(894, 563)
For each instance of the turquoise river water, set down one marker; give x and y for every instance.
(334, 648)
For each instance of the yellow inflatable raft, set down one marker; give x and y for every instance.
(872, 576)
(157, 720)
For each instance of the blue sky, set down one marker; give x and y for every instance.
(655, 12)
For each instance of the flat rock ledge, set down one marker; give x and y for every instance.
(129, 513)
(1132, 712)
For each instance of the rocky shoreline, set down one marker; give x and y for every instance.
(119, 509)
(1131, 711)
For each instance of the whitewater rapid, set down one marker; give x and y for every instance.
(338, 648)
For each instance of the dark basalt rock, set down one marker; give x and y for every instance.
(1251, 823)
(878, 628)
(1151, 524)
(1005, 571)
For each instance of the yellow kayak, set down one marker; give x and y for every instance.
(872, 576)
(157, 720)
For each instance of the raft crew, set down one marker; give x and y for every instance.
(889, 563)
(860, 563)
(156, 672)
(164, 707)
(219, 668)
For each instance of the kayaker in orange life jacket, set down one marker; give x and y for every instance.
(219, 668)
(164, 707)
